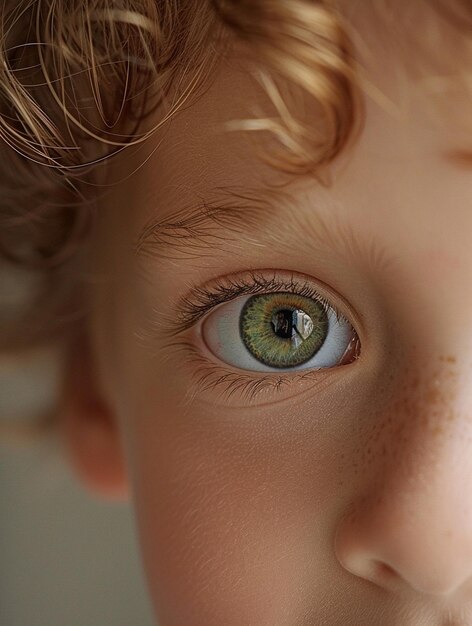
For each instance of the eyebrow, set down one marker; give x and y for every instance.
(258, 218)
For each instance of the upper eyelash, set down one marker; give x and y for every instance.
(200, 300)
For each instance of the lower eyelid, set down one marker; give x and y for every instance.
(215, 384)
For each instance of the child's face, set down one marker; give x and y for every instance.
(304, 496)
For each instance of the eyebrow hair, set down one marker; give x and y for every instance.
(258, 218)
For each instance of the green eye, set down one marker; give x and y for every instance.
(279, 331)
(283, 330)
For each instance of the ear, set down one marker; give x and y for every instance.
(89, 426)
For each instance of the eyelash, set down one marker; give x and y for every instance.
(202, 299)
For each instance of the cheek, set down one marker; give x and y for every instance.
(236, 508)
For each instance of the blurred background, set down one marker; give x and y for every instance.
(66, 559)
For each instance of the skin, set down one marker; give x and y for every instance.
(345, 497)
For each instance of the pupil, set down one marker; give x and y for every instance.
(282, 323)
(289, 323)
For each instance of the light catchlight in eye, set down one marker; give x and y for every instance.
(279, 332)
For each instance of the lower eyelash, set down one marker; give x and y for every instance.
(211, 377)
(230, 384)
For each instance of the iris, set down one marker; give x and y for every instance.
(283, 329)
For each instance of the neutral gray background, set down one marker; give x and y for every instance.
(66, 559)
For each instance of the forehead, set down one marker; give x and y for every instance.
(410, 81)
(412, 128)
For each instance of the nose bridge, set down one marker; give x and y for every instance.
(412, 523)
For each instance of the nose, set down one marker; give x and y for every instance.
(410, 524)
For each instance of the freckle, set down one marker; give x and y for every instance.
(432, 396)
(379, 499)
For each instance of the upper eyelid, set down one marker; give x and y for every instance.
(189, 311)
